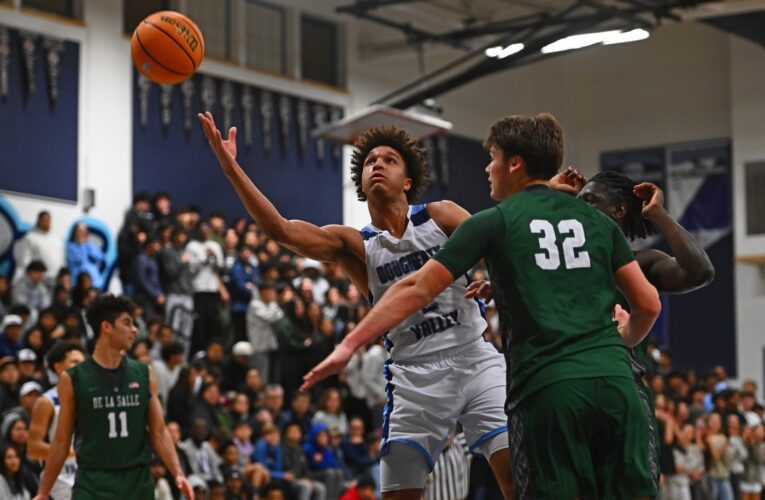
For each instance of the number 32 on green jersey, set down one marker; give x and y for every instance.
(573, 240)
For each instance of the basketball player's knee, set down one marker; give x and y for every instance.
(402, 468)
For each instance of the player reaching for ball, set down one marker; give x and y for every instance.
(441, 371)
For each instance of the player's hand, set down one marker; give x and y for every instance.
(224, 150)
(184, 485)
(622, 317)
(569, 181)
(652, 196)
(480, 288)
(332, 364)
(41, 497)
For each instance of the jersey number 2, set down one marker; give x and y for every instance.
(123, 433)
(573, 256)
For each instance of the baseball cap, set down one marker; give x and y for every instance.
(242, 348)
(11, 319)
(27, 355)
(6, 360)
(29, 387)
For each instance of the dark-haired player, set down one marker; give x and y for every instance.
(637, 209)
(576, 420)
(440, 371)
(42, 429)
(111, 401)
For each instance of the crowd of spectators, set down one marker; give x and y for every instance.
(230, 322)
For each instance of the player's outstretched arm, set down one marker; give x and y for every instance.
(59, 448)
(404, 298)
(689, 268)
(326, 244)
(163, 442)
(42, 414)
(643, 299)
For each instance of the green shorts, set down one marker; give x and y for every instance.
(105, 484)
(581, 438)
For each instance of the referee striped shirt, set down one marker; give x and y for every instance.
(450, 479)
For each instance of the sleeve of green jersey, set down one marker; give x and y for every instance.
(622, 254)
(469, 242)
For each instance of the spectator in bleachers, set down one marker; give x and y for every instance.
(12, 484)
(15, 432)
(217, 223)
(168, 369)
(41, 245)
(30, 364)
(206, 258)
(138, 223)
(331, 412)
(319, 285)
(10, 335)
(5, 296)
(294, 462)
(177, 283)
(363, 490)
(299, 413)
(717, 448)
(208, 408)
(236, 366)
(263, 312)
(736, 454)
(752, 479)
(9, 379)
(29, 289)
(322, 460)
(84, 256)
(204, 461)
(253, 387)
(254, 474)
(689, 461)
(161, 207)
(147, 292)
(356, 454)
(372, 366)
(242, 284)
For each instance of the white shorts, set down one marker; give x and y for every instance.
(428, 396)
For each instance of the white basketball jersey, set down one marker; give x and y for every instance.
(451, 320)
(69, 470)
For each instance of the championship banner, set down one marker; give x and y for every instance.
(336, 114)
(28, 59)
(188, 89)
(431, 156)
(166, 104)
(208, 94)
(266, 118)
(285, 121)
(248, 105)
(319, 120)
(54, 50)
(698, 190)
(303, 125)
(5, 60)
(227, 101)
(144, 91)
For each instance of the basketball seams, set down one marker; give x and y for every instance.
(138, 39)
(171, 37)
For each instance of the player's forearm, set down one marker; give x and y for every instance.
(690, 256)
(55, 460)
(398, 303)
(38, 450)
(639, 325)
(165, 449)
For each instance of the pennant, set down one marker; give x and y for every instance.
(248, 104)
(209, 96)
(5, 60)
(442, 144)
(303, 123)
(28, 58)
(54, 50)
(166, 104)
(319, 120)
(285, 120)
(188, 88)
(144, 90)
(336, 114)
(266, 116)
(227, 102)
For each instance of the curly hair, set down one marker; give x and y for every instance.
(620, 188)
(413, 156)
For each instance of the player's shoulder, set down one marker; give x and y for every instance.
(446, 213)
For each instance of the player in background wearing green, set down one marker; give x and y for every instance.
(575, 419)
(111, 401)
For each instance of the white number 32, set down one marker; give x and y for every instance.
(573, 256)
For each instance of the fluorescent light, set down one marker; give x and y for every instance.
(589, 39)
(627, 36)
(502, 52)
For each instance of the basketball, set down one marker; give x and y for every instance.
(167, 47)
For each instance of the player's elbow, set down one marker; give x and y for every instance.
(705, 275)
(36, 450)
(650, 303)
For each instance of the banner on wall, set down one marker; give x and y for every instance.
(28, 55)
(698, 190)
(5, 60)
(54, 51)
(285, 121)
(266, 119)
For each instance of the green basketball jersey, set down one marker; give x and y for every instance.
(111, 414)
(552, 259)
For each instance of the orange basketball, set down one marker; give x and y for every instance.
(167, 47)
